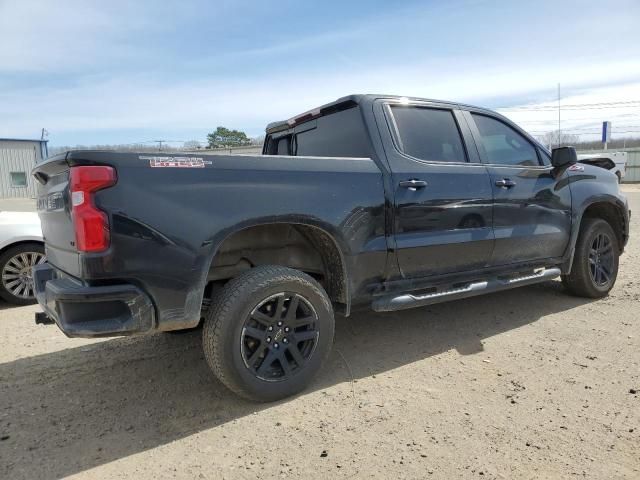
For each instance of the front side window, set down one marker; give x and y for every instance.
(503, 145)
(18, 179)
(546, 159)
(428, 133)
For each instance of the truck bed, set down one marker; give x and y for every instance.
(168, 214)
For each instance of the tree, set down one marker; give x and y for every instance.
(551, 140)
(191, 145)
(223, 137)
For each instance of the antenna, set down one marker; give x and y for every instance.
(559, 124)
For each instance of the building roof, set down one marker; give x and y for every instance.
(22, 140)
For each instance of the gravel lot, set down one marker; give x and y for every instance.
(530, 383)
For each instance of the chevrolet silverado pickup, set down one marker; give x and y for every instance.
(369, 201)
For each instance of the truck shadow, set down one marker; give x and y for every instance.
(68, 411)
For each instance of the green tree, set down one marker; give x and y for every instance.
(223, 137)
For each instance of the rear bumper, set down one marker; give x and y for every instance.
(85, 311)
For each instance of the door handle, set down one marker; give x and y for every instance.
(413, 184)
(505, 183)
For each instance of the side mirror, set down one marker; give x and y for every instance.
(563, 156)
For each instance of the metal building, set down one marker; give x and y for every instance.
(17, 158)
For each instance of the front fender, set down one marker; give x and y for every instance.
(618, 201)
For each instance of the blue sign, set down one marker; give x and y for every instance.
(606, 132)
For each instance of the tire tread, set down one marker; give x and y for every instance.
(578, 282)
(224, 302)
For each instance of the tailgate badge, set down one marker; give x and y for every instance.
(51, 202)
(175, 162)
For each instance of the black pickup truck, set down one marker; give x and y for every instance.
(369, 201)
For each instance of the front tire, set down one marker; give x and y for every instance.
(268, 332)
(596, 259)
(16, 283)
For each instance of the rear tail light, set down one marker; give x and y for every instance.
(91, 224)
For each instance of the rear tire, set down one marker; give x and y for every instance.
(595, 262)
(16, 280)
(268, 332)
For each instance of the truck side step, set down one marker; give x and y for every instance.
(391, 303)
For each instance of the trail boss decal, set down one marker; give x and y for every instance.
(576, 168)
(175, 162)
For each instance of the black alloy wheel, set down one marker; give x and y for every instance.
(601, 261)
(279, 336)
(595, 260)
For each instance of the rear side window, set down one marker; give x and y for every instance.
(428, 134)
(340, 134)
(503, 145)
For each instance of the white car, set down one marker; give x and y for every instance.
(617, 165)
(21, 247)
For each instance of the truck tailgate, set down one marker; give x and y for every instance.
(54, 210)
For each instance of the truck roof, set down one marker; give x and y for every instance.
(343, 103)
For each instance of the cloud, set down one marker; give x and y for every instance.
(79, 68)
(146, 102)
(42, 35)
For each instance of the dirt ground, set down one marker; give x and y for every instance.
(531, 383)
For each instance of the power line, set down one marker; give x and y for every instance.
(574, 106)
(591, 128)
(581, 121)
(581, 132)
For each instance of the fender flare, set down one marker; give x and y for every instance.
(577, 223)
(328, 230)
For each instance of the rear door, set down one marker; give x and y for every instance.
(442, 194)
(531, 204)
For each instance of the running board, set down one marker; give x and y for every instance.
(392, 303)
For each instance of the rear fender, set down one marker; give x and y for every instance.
(329, 231)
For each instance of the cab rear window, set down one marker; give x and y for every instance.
(339, 134)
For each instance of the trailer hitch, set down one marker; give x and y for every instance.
(43, 319)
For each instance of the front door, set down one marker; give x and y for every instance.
(531, 205)
(442, 194)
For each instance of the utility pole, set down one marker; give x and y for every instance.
(159, 144)
(559, 124)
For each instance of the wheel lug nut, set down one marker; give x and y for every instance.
(275, 345)
(270, 328)
(285, 340)
(286, 329)
(279, 324)
(268, 339)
